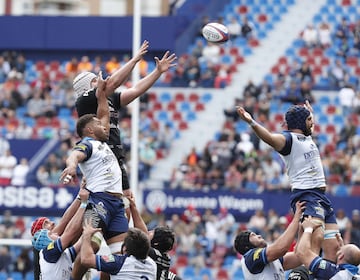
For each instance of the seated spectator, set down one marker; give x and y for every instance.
(234, 28)
(342, 30)
(7, 165)
(35, 105)
(293, 94)
(112, 64)
(324, 35)
(4, 69)
(343, 48)
(85, 64)
(346, 99)
(310, 36)
(20, 172)
(223, 77)
(5, 260)
(338, 74)
(211, 53)
(98, 65)
(71, 67)
(192, 72)
(247, 28)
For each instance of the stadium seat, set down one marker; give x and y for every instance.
(165, 97)
(222, 274)
(188, 272)
(181, 261)
(199, 107)
(205, 272)
(179, 97)
(194, 97)
(177, 116)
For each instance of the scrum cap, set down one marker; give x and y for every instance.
(242, 243)
(82, 82)
(37, 225)
(296, 118)
(41, 239)
(299, 273)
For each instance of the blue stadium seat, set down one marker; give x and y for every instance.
(205, 272)
(188, 272)
(323, 119)
(165, 97)
(206, 97)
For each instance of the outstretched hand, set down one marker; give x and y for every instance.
(142, 51)
(88, 229)
(167, 61)
(244, 115)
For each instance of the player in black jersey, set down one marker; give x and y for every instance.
(84, 86)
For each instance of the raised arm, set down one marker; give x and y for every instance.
(162, 65)
(102, 113)
(122, 74)
(88, 257)
(282, 244)
(73, 229)
(137, 219)
(275, 140)
(303, 249)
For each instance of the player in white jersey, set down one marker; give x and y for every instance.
(103, 176)
(56, 252)
(268, 262)
(134, 264)
(347, 257)
(305, 170)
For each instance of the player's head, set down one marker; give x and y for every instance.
(137, 243)
(296, 119)
(242, 242)
(83, 82)
(349, 253)
(163, 239)
(299, 273)
(41, 239)
(41, 223)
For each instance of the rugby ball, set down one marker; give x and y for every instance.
(215, 32)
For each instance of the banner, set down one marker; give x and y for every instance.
(53, 201)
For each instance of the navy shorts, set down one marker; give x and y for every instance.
(108, 213)
(317, 204)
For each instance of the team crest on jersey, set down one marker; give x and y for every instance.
(50, 246)
(108, 258)
(322, 264)
(257, 254)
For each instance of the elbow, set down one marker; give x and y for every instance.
(300, 253)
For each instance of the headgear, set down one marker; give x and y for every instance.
(299, 273)
(82, 82)
(41, 239)
(242, 242)
(296, 118)
(37, 225)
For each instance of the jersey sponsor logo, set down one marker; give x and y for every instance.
(301, 138)
(257, 254)
(108, 258)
